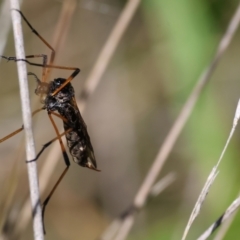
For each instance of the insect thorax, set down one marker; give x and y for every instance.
(61, 98)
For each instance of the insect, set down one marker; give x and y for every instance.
(58, 99)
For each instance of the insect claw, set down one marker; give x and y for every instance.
(29, 161)
(10, 58)
(32, 74)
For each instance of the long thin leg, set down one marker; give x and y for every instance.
(18, 130)
(45, 59)
(73, 75)
(44, 63)
(44, 56)
(51, 141)
(48, 144)
(61, 117)
(67, 162)
(42, 39)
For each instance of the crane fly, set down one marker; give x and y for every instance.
(58, 99)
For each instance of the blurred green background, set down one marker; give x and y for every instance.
(166, 47)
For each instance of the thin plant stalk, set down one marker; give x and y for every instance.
(181, 120)
(212, 176)
(225, 227)
(27, 121)
(62, 27)
(225, 216)
(157, 189)
(59, 38)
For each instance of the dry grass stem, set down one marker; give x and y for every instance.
(127, 216)
(211, 177)
(126, 225)
(181, 120)
(63, 24)
(225, 226)
(111, 230)
(110, 46)
(59, 38)
(163, 184)
(27, 121)
(226, 215)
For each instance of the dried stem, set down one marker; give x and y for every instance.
(226, 215)
(27, 121)
(181, 120)
(59, 37)
(62, 27)
(225, 226)
(232, 27)
(128, 215)
(211, 177)
(110, 46)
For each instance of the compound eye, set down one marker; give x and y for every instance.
(58, 83)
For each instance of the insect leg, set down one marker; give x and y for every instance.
(69, 79)
(73, 75)
(54, 139)
(67, 162)
(38, 35)
(45, 59)
(58, 115)
(44, 63)
(44, 56)
(48, 144)
(18, 130)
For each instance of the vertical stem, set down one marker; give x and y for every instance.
(27, 121)
(110, 46)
